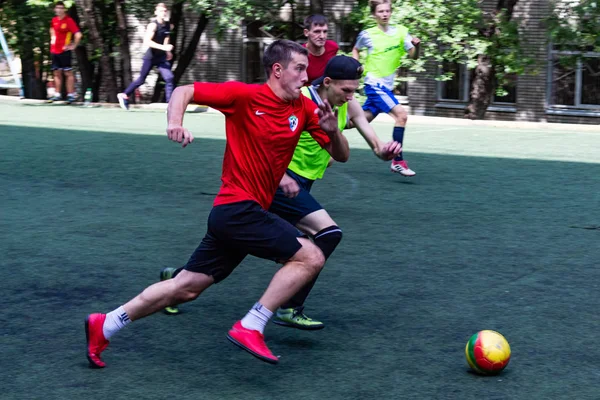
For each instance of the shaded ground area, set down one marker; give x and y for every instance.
(89, 217)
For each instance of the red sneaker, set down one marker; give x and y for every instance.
(252, 341)
(96, 342)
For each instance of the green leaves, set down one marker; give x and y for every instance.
(457, 31)
(575, 25)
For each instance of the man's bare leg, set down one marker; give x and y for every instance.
(186, 286)
(100, 327)
(58, 81)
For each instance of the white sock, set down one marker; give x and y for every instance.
(257, 318)
(115, 321)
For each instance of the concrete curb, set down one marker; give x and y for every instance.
(192, 108)
(384, 118)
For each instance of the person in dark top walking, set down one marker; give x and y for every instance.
(158, 55)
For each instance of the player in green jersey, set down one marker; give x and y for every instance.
(385, 45)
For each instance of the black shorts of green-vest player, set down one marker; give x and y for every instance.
(294, 210)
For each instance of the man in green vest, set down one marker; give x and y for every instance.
(385, 45)
(293, 201)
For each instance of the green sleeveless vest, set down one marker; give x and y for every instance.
(387, 51)
(310, 159)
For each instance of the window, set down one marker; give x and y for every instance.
(511, 89)
(574, 85)
(457, 88)
(454, 93)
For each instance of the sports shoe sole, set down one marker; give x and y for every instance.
(400, 173)
(301, 327)
(171, 310)
(260, 357)
(87, 343)
(122, 103)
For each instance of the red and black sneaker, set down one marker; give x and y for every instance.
(96, 342)
(252, 341)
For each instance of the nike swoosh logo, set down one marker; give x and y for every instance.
(259, 113)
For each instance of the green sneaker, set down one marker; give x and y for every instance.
(295, 318)
(167, 273)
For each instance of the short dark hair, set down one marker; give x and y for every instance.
(60, 3)
(280, 51)
(315, 19)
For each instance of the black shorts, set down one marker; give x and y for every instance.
(296, 208)
(62, 61)
(238, 229)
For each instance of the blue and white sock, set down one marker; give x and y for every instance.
(115, 321)
(257, 318)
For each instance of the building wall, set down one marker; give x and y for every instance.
(531, 103)
(222, 60)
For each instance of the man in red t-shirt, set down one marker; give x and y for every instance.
(320, 50)
(263, 124)
(64, 37)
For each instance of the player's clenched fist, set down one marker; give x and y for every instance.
(389, 151)
(179, 134)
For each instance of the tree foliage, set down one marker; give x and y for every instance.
(574, 26)
(458, 31)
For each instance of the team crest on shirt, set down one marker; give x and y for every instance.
(63, 26)
(293, 122)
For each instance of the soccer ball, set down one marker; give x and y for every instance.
(487, 352)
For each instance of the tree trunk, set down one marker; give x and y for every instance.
(187, 55)
(317, 7)
(94, 23)
(176, 19)
(124, 44)
(27, 69)
(482, 87)
(86, 69)
(97, 84)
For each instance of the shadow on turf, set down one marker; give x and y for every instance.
(90, 218)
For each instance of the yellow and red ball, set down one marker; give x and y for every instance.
(487, 352)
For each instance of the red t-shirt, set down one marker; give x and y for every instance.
(317, 64)
(262, 132)
(64, 29)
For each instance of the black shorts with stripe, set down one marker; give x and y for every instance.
(62, 61)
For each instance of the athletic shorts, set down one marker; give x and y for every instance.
(238, 229)
(62, 61)
(379, 100)
(294, 209)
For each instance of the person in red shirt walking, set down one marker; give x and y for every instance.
(320, 50)
(64, 37)
(263, 124)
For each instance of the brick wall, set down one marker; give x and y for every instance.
(531, 87)
(222, 60)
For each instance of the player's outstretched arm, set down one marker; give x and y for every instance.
(181, 97)
(355, 54)
(385, 151)
(338, 148)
